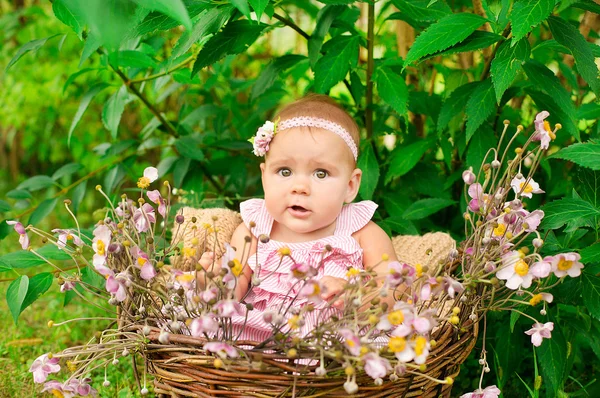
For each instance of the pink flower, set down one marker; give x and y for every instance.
(65, 235)
(68, 285)
(375, 366)
(475, 191)
(20, 229)
(54, 387)
(209, 294)
(143, 217)
(488, 392)
(540, 331)
(541, 269)
(525, 187)
(468, 176)
(543, 133)
(117, 285)
(351, 341)
(452, 286)
(43, 366)
(262, 139)
(79, 387)
(532, 220)
(155, 197)
(398, 273)
(229, 308)
(312, 291)
(147, 271)
(566, 264)
(221, 349)
(202, 325)
(100, 243)
(515, 271)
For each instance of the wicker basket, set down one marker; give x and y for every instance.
(183, 369)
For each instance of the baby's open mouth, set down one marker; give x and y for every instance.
(298, 208)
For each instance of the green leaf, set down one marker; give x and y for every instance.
(85, 101)
(367, 162)
(42, 211)
(21, 259)
(590, 254)
(38, 285)
(209, 23)
(180, 170)
(514, 317)
(476, 41)
(32, 46)
(552, 356)
(448, 31)
(527, 14)
(92, 43)
(507, 64)
(420, 10)
(189, 147)
(587, 5)
(567, 35)
(67, 15)
(341, 53)
(403, 159)
(113, 110)
(325, 18)
(4, 206)
(66, 170)
(454, 104)
(559, 212)
(233, 39)
(52, 252)
(175, 9)
(589, 186)
(243, 7)
(544, 79)
(426, 207)
(267, 77)
(36, 183)
(584, 154)
(16, 294)
(18, 194)
(77, 195)
(5, 267)
(589, 111)
(91, 277)
(479, 146)
(392, 89)
(131, 59)
(401, 226)
(113, 177)
(259, 7)
(480, 106)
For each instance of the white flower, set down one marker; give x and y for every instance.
(543, 133)
(488, 392)
(515, 271)
(525, 187)
(539, 332)
(566, 264)
(151, 173)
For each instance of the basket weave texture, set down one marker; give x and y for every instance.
(183, 369)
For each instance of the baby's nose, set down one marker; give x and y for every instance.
(301, 186)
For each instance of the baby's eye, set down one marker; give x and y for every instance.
(320, 174)
(284, 172)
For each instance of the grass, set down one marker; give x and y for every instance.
(20, 344)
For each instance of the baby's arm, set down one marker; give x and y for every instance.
(375, 243)
(239, 242)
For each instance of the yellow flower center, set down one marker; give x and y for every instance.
(189, 251)
(57, 394)
(100, 247)
(397, 344)
(284, 251)
(364, 350)
(549, 130)
(141, 261)
(500, 230)
(419, 269)
(396, 317)
(521, 268)
(564, 265)
(69, 237)
(185, 278)
(535, 300)
(528, 188)
(237, 267)
(420, 344)
(350, 343)
(352, 272)
(294, 322)
(143, 182)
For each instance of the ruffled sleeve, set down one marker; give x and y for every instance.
(355, 216)
(254, 210)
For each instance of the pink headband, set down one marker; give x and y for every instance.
(265, 134)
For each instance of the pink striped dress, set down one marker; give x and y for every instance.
(278, 288)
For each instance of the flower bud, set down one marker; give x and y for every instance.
(146, 330)
(393, 377)
(320, 371)
(378, 381)
(537, 243)
(495, 164)
(351, 387)
(125, 352)
(144, 391)
(163, 337)
(389, 141)
(179, 218)
(543, 312)
(255, 281)
(490, 266)
(175, 326)
(264, 238)
(106, 383)
(468, 176)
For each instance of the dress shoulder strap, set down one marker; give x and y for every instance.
(354, 216)
(254, 210)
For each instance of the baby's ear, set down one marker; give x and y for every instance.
(262, 169)
(353, 185)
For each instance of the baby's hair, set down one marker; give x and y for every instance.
(321, 106)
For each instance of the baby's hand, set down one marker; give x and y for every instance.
(333, 286)
(207, 260)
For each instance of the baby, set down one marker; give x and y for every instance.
(309, 178)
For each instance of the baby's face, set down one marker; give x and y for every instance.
(307, 178)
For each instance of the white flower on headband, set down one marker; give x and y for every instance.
(262, 139)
